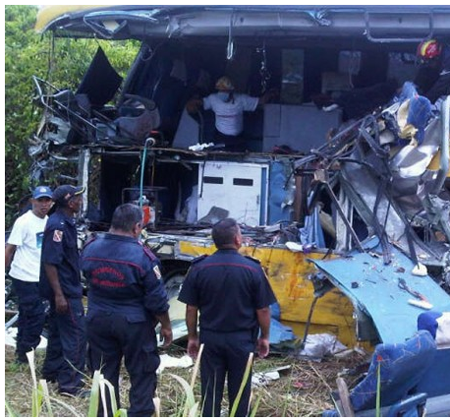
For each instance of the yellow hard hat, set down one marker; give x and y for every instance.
(224, 84)
(428, 50)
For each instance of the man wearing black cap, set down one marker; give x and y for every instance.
(23, 255)
(60, 283)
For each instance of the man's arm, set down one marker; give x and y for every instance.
(60, 300)
(9, 254)
(263, 316)
(267, 97)
(191, 323)
(194, 105)
(166, 328)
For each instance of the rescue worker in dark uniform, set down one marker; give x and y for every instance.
(126, 299)
(233, 295)
(433, 77)
(60, 283)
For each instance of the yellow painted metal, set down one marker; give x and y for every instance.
(435, 163)
(47, 14)
(288, 275)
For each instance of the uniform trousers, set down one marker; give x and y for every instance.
(113, 336)
(66, 347)
(31, 317)
(225, 355)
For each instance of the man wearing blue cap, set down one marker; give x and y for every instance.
(22, 256)
(60, 283)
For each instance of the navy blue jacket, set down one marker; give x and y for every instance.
(123, 277)
(227, 288)
(60, 248)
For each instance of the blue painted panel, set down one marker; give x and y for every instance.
(277, 194)
(377, 292)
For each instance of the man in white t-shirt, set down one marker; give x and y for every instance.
(228, 108)
(23, 256)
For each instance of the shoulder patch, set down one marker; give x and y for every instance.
(57, 236)
(252, 259)
(198, 259)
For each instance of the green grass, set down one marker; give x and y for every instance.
(281, 398)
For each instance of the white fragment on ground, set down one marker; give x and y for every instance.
(170, 362)
(10, 338)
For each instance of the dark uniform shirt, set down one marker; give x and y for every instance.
(123, 276)
(227, 288)
(60, 249)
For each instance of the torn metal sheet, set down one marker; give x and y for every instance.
(374, 288)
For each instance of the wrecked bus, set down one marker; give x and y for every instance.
(341, 190)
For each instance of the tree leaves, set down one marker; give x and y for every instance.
(63, 63)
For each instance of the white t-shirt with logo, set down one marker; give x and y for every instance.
(27, 235)
(229, 115)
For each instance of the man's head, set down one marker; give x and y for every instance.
(69, 198)
(429, 51)
(41, 201)
(224, 84)
(226, 234)
(127, 220)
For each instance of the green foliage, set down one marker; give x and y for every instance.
(63, 63)
(245, 378)
(190, 405)
(40, 395)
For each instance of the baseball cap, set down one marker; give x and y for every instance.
(42, 191)
(64, 193)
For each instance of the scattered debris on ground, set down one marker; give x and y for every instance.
(302, 390)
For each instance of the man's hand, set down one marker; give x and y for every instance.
(61, 304)
(165, 335)
(193, 347)
(263, 347)
(194, 105)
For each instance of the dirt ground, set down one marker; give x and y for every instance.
(303, 389)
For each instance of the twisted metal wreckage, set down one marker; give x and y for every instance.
(396, 196)
(354, 235)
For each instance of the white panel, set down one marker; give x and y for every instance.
(235, 187)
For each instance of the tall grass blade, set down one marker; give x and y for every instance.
(121, 412)
(95, 393)
(378, 397)
(36, 401)
(256, 406)
(157, 404)
(197, 365)
(248, 368)
(193, 412)
(112, 393)
(30, 357)
(36, 394)
(46, 395)
(189, 393)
